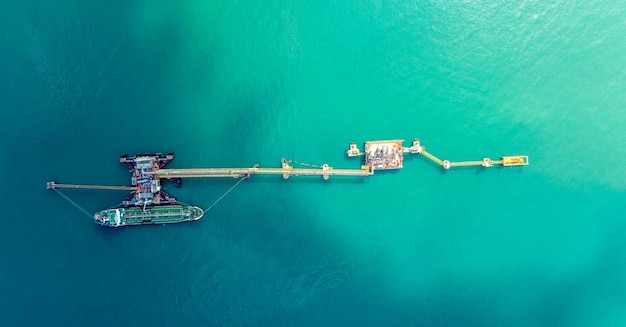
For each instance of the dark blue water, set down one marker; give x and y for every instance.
(236, 83)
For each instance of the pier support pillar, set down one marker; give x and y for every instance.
(325, 168)
(286, 167)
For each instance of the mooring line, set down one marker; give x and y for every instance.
(74, 203)
(226, 193)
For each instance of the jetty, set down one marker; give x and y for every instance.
(377, 155)
(148, 170)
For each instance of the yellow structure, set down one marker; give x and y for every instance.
(515, 161)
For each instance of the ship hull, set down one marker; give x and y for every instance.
(152, 215)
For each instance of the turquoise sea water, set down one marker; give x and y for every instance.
(234, 83)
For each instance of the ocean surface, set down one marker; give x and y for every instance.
(235, 83)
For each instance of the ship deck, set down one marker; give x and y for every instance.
(161, 214)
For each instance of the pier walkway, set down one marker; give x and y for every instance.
(53, 185)
(507, 161)
(287, 170)
(432, 158)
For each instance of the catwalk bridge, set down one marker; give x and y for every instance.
(286, 170)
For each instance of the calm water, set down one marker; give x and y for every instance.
(234, 83)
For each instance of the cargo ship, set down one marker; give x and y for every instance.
(149, 215)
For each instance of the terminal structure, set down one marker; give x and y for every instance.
(389, 155)
(148, 203)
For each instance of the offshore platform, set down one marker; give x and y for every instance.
(148, 203)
